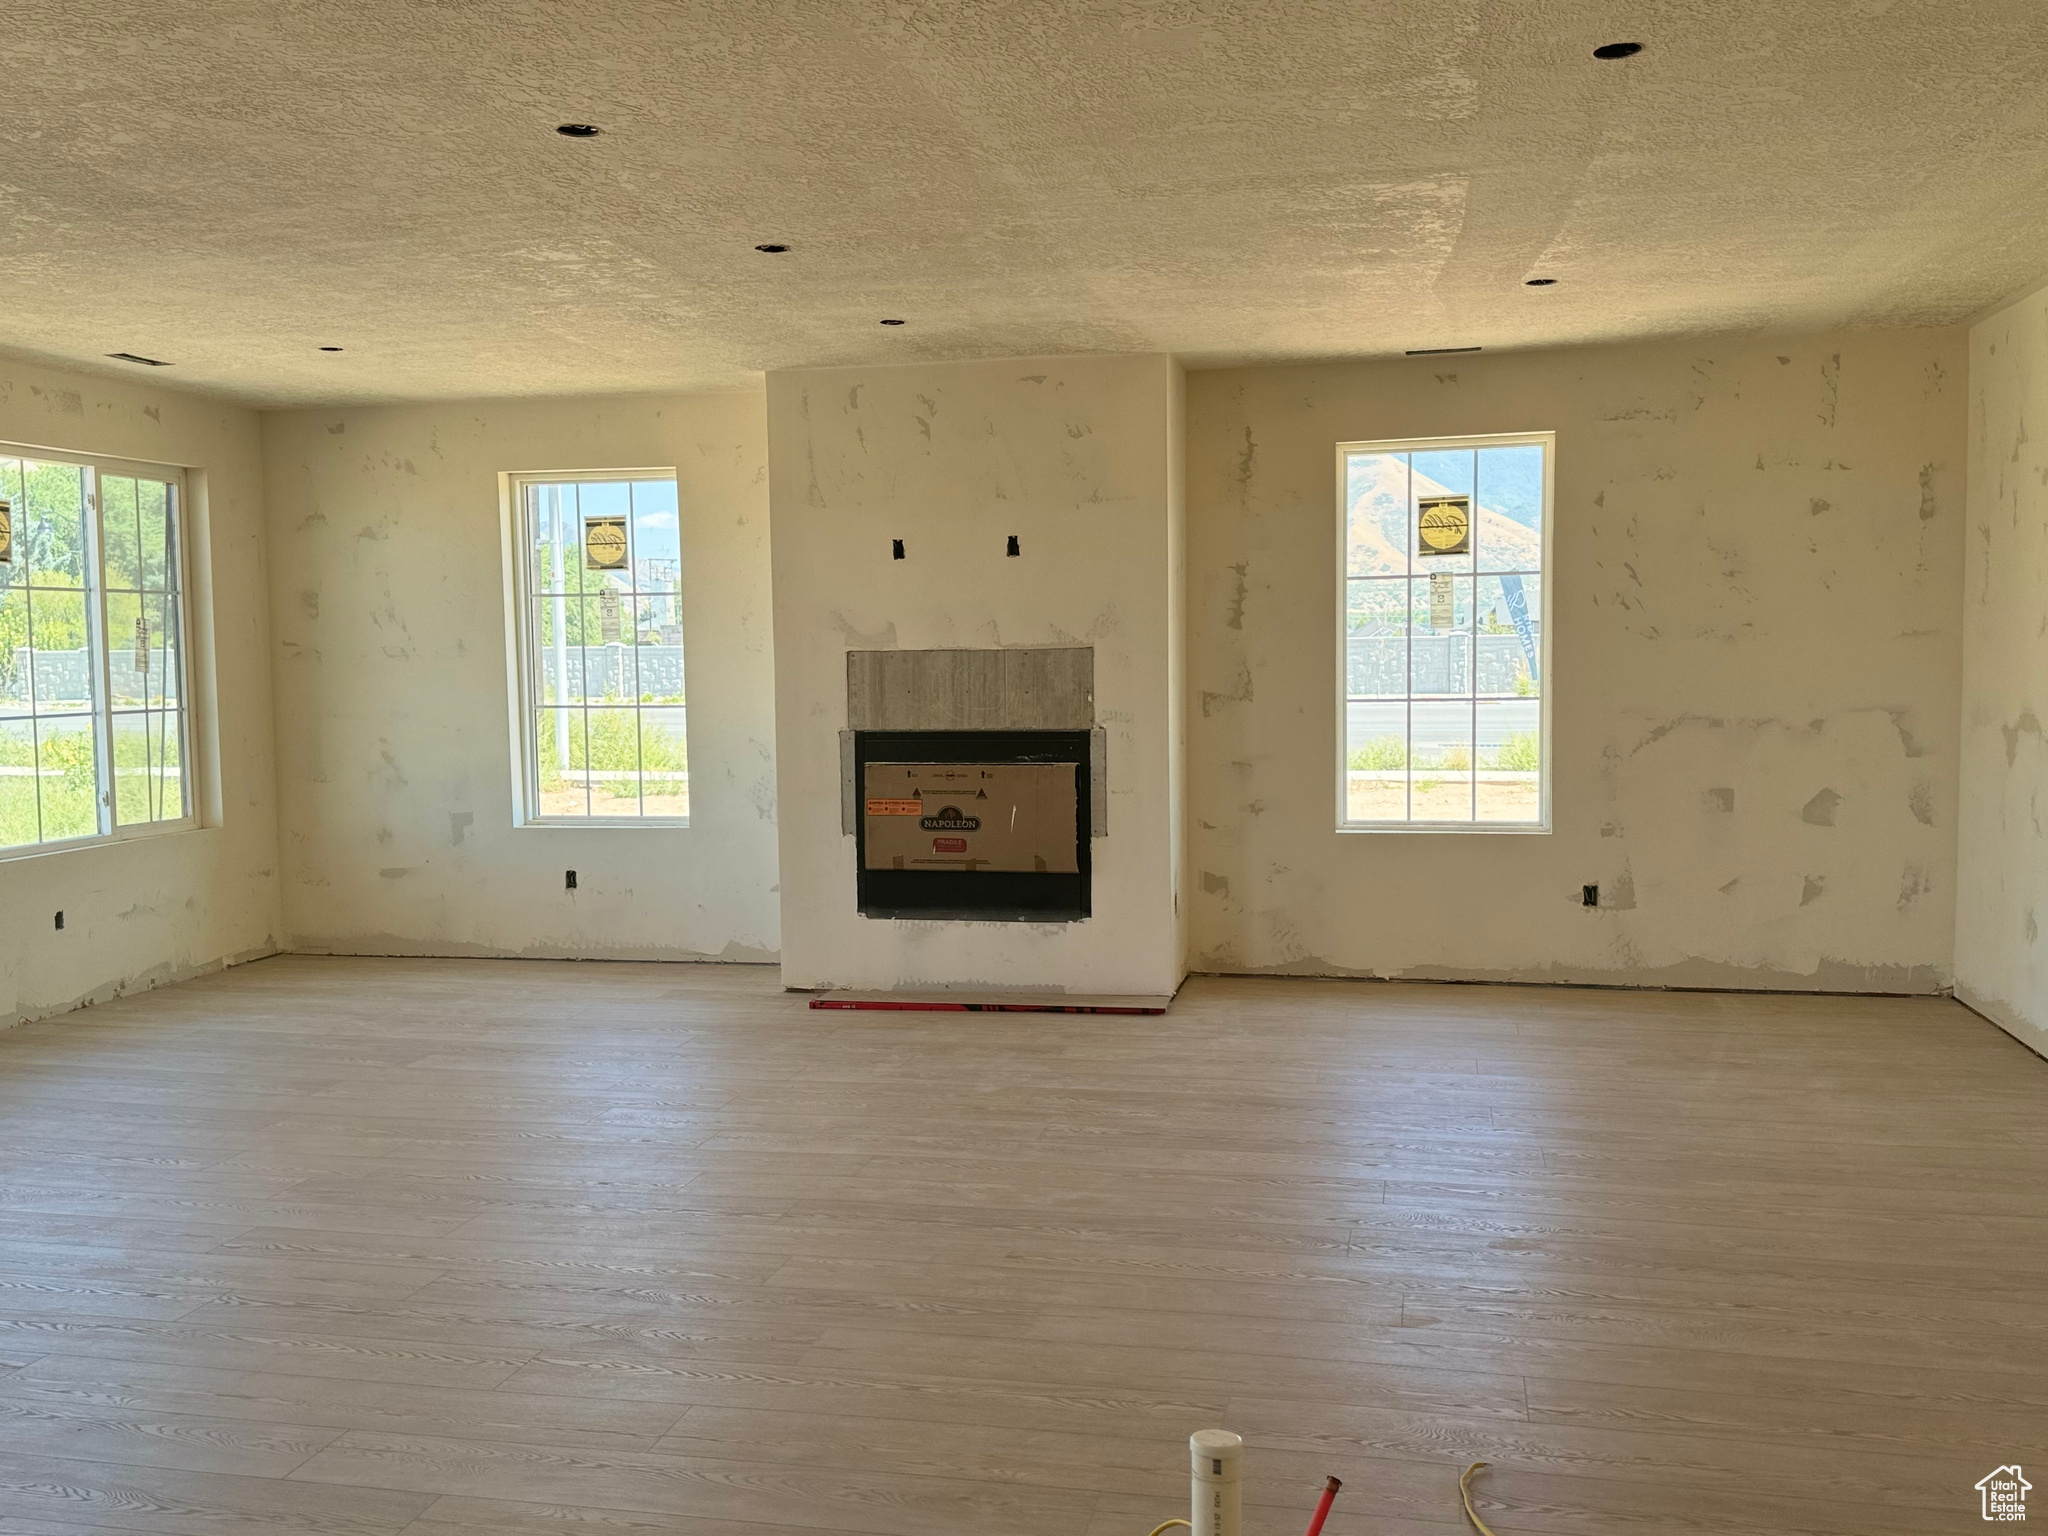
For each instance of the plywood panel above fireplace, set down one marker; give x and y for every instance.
(1025, 688)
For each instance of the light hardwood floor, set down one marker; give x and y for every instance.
(449, 1248)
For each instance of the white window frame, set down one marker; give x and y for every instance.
(1540, 827)
(524, 684)
(99, 644)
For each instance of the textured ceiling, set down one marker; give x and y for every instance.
(231, 185)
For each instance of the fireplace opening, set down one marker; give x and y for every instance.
(984, 826)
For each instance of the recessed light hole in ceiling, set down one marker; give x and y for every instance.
(771, 249)
(1617, 50)
(892, 322)
(330, 349)
(1437, 351)
(136, 357)
(1539, 282)
(578, 130)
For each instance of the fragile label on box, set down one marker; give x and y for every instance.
(1019, 817)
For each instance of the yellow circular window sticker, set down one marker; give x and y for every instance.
(604, 543)
(1443, 524)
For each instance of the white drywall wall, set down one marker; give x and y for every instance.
(2002, 842)
(1756, 597)
(1071, 455)
(148, 910)
(394, 726)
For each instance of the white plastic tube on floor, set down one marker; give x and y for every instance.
(1217, 1507)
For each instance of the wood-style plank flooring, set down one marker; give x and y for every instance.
(468, 1248)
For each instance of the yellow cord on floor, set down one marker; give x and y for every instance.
(1465, 1493)
(1167, 1525)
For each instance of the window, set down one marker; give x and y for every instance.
(599, 627)
(93, 738)
(1443, 711)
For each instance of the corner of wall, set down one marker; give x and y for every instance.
(2002, 844)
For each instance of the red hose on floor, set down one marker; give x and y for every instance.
(1315, 1524)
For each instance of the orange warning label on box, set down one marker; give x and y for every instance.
(895, 807)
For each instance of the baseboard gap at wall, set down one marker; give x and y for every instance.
(1586, 986)
(2010, 1031)
(168, 976)
(506, 954)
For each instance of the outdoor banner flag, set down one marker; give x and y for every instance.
(1518, 615)
(6, 533)
(608, 616)
(604, 543)
(1443, 525)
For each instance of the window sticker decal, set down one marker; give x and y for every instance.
(1443, 525)
(604, 543)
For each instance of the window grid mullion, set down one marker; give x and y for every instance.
(98, 654)
(573, 520)
(1408, 646)
(1472, 657)
(35, 681)
(153, 755)
(173, 718)
(629, 625)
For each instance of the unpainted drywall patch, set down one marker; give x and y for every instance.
(1820, 810)
(1913, 884)
(1920, 801)
(2026, 724)
(1902, 722)
(1233, 616)
(1215, 703)
(459, 823)
(1812, 890)
(1721, 799)
(883, 639)
(1215, 885)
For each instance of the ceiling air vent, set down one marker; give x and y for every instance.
(134, 357)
